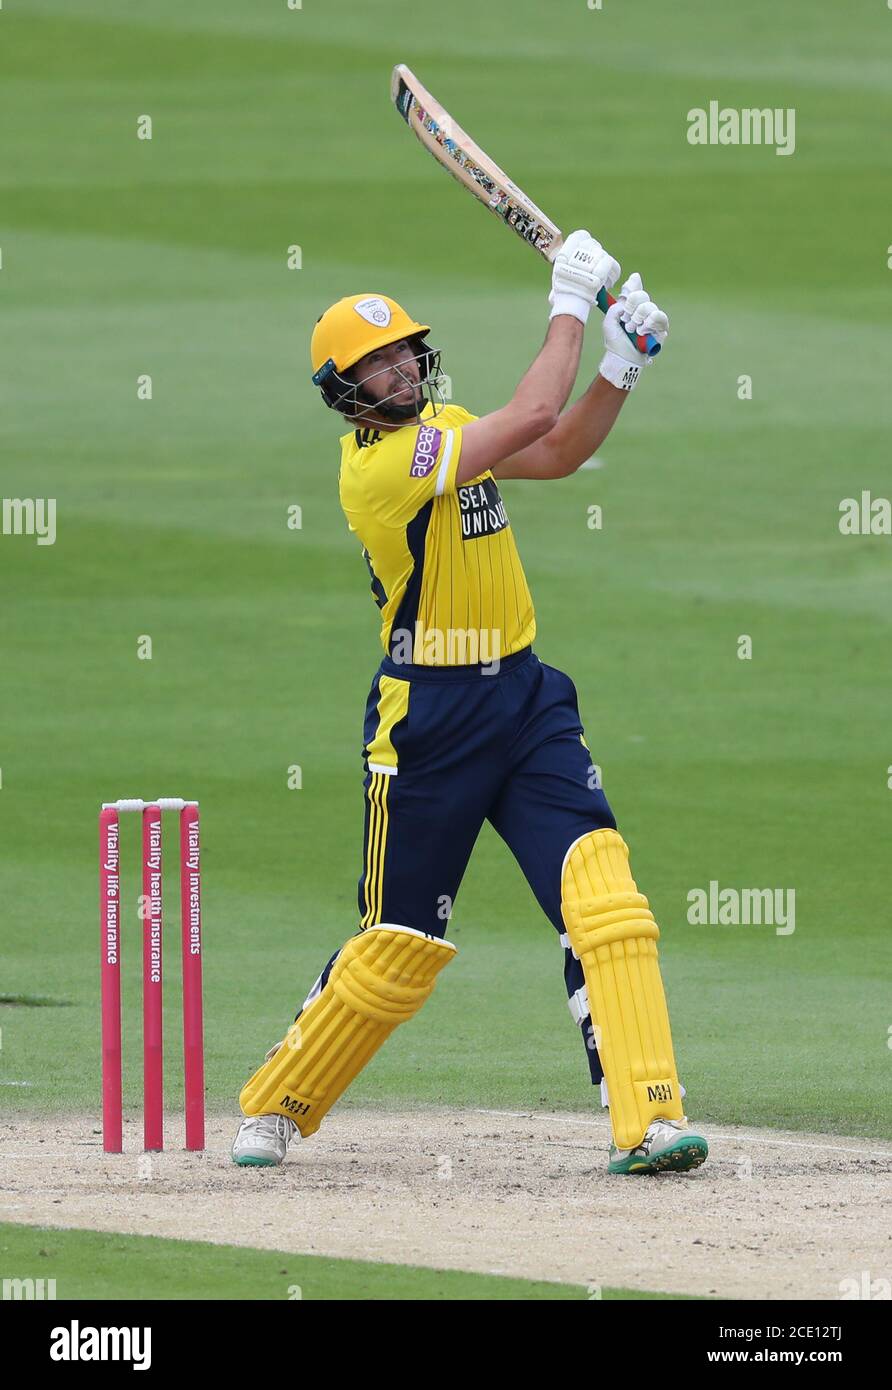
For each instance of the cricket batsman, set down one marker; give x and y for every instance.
(464, 723)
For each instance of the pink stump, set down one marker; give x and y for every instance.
(152, 1028)
(110, 940)
(193, 1035)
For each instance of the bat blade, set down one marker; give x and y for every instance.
(462, 157)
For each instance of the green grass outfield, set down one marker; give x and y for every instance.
(91, 1264)
(119, 257)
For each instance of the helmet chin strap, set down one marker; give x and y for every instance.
(401, 413)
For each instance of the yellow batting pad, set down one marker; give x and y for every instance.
(381, 978)
(612, 931)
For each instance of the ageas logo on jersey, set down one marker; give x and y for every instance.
(427, 446)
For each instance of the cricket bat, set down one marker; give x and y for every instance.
(457, 152)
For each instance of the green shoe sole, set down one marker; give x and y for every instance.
(254, 1162)
(688, 1151)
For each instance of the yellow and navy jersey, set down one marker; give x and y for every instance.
(444, 568)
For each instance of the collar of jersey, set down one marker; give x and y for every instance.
(365, 438)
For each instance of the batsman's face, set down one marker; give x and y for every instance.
(390, 372)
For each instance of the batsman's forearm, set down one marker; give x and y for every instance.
(550, 379)
(582, 429)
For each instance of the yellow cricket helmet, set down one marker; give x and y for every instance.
(350, 329)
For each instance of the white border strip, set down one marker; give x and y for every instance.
(444, 463)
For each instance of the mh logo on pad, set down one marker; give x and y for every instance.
(294, 1105)
(427, 446)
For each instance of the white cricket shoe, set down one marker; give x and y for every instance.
(262, 1140)
(667, 1146)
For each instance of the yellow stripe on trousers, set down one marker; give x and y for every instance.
(393, 705)
(376, 847)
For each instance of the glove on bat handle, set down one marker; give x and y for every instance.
(645, 343)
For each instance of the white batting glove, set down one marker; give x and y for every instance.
(581, 269)
(634, 309)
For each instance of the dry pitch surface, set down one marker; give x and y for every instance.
(771, 1215)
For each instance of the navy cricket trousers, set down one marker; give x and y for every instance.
(446, 748)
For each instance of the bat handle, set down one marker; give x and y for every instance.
(645, 343)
